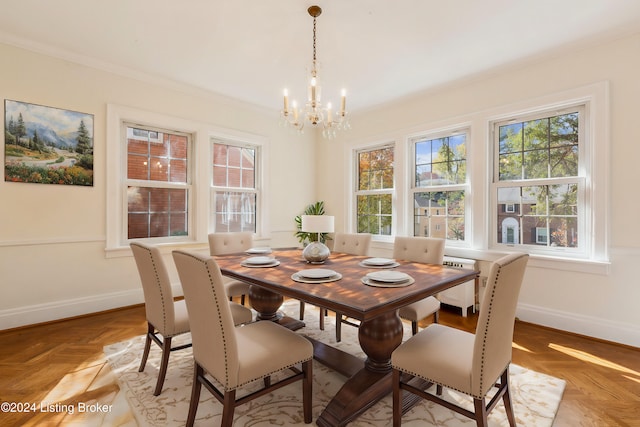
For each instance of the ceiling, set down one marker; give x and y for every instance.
(379, 50)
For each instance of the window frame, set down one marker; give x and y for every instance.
(201, 164)
(129, 182)
(413, 189)
(580, 179)
(255, 190)
(392, 191)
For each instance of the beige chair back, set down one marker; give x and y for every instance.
(352, 243)
(213, 336)
(494, 332)
(229, 243)
(427, 250)
(158, 296)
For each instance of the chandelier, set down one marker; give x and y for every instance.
(313, 111)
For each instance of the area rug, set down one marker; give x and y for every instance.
(536, 396)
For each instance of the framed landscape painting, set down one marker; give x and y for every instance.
(47, 145)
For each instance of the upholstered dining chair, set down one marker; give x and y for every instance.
(236, 356)
(231, 243)
(426, 250)
(469, 363)
(165, 317)
(348, 243)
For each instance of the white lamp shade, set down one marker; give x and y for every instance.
(317, 223)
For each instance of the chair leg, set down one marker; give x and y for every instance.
(322, 318)
(338, 327)
(481, 413)
(414, 327)
(242, 299)
(147, 347)
(166, 351)
(506, 398)
(436, 316)
(301, 310)
(195, 394)
(397, 403)
(228, 408)
(307, 391)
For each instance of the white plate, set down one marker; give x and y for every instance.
(378, 261)
(274, 263)
(260, 250)
(370, 282)
(316, 273)
(388, 276)
(259, 260)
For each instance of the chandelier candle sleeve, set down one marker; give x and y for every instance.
(286, 102)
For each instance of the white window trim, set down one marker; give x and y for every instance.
(354, 167)
(259, 188)
(595, 97)
(156, 184)
(202, 175)
(411, 189)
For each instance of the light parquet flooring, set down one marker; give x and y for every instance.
(63, 363)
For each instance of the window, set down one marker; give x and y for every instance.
(157, 183)
(234, 188)
(161, 185)
(540, 180)
(439, 190)
(374, 190)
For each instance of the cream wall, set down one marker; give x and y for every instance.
(53, 262)
(604, 303)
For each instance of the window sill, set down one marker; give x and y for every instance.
(587, 266)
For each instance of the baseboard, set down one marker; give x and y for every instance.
(595, 327)
(47, 312)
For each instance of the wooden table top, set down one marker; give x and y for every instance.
(348, 295)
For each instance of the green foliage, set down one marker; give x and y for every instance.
(86, 161)
(84, 140)
(313, 209)
(9, 138)
(375, 172)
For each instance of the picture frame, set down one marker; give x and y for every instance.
(47, 145)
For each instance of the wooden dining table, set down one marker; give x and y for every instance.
(380, 331)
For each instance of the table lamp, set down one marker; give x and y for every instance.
(316, 252)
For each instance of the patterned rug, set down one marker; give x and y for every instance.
(536, 396)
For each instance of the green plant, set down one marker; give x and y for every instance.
(316, 208)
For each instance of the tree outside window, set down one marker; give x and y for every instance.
(374, 193)
(440, 173)
(538, 181)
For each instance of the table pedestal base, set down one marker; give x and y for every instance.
(267, 303)
(372, 381)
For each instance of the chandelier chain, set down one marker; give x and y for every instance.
(314, 45)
